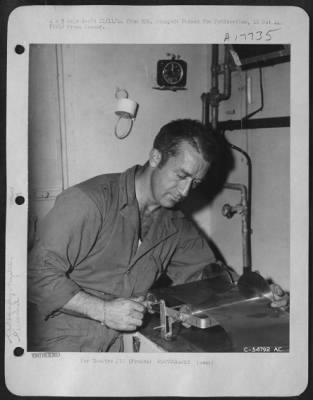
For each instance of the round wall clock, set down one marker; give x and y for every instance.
(172, 73)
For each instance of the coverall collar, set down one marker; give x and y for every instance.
(128, 191)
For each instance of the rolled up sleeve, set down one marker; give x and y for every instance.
(65, 238)
(192, 255)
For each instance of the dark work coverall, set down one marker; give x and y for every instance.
(89, 241)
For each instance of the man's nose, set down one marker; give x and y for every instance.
(185, 187)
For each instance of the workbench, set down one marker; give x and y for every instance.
(244, 324)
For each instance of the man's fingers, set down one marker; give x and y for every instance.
(124, 314)
(136, 321)
(139, 299)
(136, 314)
(132, 324)
(136, 305)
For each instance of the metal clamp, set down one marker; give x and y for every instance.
(182, 314)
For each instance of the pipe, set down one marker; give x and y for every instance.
(227, 76)
(213, 95)
(204, 109)
(249, 165)
(214, 66)
(211, 100)
(245, 224)
(214, 116)
(256, 123)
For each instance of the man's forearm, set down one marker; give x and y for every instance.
(85, 305)
(120, 314)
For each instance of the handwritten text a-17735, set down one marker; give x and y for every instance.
(259, 35)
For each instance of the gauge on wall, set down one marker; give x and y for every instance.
(172, 73)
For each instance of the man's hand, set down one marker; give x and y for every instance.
(280, 297)
(124, 314)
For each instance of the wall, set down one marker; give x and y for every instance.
(92, 74)
(44, 146)
(269, 150)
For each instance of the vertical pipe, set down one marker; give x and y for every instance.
(245, 225)
(214, 89)
(227, 76)
(246, 239)
(214, 67)
(204, 107)
(210, 101)
(208, 111)
(214, 117)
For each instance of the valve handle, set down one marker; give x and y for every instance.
(228, 211)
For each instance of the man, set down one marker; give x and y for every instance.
(109, 239)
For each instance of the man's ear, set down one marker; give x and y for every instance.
(155, 158)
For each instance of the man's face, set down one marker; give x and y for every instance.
(172, 182)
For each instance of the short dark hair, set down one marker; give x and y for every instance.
(191, 131)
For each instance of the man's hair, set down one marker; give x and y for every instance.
(171, 135)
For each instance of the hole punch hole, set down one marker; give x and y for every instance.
(19, 49)
(19, 200)
(18, 351)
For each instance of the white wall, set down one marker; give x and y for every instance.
(45, 171)
(92, 74)
(269, 150)
(44, 121)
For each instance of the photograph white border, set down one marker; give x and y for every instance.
(186, 374)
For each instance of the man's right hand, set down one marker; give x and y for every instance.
(124, 314)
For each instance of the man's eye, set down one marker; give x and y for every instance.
(181, 176)
(195, 184)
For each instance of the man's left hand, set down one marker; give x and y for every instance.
(280, 297)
